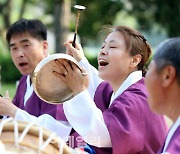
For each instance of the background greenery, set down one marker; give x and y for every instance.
(60, 16)
(156, 19)
(9, 73)
(11, 87)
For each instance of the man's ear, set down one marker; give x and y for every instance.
(135, 60)
(168, 75)
(45, 48)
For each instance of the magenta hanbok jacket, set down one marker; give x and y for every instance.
(133, 127)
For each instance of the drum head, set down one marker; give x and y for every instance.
(46, 85)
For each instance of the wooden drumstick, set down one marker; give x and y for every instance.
(79, 8)
(1, 115)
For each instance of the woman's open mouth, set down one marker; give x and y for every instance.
(103, 62)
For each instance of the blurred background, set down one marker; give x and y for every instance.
(156, 19)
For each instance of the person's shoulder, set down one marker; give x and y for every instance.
(136, 89)
(138, 85)
(104, 86)
(135, 95)
(104, 90)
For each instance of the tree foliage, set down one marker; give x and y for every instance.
(166, 13)
(97, 14)
(7, 13)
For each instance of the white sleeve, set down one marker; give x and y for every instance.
(87, 120)
(61, 128)
(94, 79)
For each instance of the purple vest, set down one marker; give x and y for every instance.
(34, 105)
(174, 144)
(133, 128)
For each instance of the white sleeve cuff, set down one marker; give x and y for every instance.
(83, 61)
(62, 129)
(87, 120)
(94, 79)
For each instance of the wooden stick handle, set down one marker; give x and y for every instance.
(74, 41)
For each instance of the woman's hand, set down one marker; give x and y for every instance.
(77, 52)
(75, 78)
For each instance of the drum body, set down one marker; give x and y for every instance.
(46, 85)
(28, 138)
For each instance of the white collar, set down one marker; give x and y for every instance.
(28, 82)
(171, 132)
(29, 90)
(131, 79)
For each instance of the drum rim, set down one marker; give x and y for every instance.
(53, 57)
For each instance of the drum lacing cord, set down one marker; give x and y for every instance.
(61, 147)
(25, 131)
(3, 122)
(17, 139)
(41, 145)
